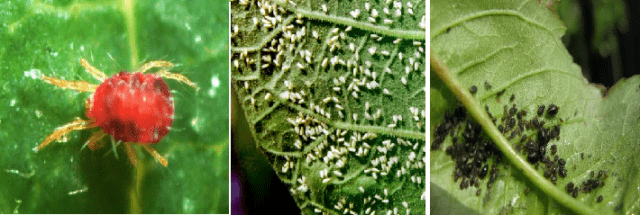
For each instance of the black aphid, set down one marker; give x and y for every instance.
(563, 172)
(473, 89)
(512, 111)
(478, 192)
(487, 85)
(570, 187)
(464, 184)
(501, 92)
(512, 122)
(582, 155)
(599, 174)
(600, 198)
(553, 110)
(540, 110)
(575, 193)
(512, 97)
(554, 149)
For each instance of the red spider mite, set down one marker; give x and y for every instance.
(130, 107)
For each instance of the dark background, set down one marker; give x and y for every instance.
(255, 187)
(602, 36)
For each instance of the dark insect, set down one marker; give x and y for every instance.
(540, 110)
(483, 171)
(473, 89)
(562, 162)
(487, 85)
(569, 187)
(512, 111)
(478, 192)
(501, 92)
(575, 193)
(464, 184)
(554, 149)
(512, 97)
(599, 174)
(600, 198)
(553, 110)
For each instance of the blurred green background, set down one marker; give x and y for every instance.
(49, 38)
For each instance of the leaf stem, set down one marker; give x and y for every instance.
(128, 9)
(473, 107)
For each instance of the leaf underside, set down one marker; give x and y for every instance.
(303, 111)
(515, 46)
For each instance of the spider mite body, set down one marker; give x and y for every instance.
(130, 107)
(133, 107)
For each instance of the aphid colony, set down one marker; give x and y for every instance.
(589, 185)
(471, 153)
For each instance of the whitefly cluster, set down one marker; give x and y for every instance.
(321, 67)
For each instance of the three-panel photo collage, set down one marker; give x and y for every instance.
(319, 107)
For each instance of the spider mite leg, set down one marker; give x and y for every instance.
(96, 73)
(156, 155)
(94, 141)
(153, 64)
(178, 77)
(131, 153)
(62, 130)
(74, 85)
(114, 145)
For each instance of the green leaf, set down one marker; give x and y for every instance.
(295, 67)
(49, 38)
(516, 47)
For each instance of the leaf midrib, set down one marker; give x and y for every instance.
(474, 109)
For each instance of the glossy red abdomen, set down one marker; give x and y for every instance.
(133, 107)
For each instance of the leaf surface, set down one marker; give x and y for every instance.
(516, 47)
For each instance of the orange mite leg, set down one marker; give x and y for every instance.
(156, 155)
(96, 73)
(74, 85)
(153, 64)
(131, 153)
(62, 130)
(178, 77)
(94, 141)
